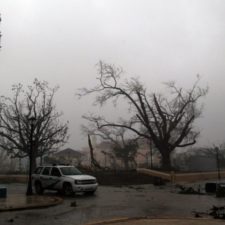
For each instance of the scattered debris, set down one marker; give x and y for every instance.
(217, 212)
(137, 188)
(158, 181)
(215, 188)
(197, 215)
(73, 204)
(210, 187)
(10, 220)
(189, 190)
(220, 191)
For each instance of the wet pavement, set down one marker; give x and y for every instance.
(112, 202)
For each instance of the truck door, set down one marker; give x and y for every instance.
(45, 177)
(55, 178)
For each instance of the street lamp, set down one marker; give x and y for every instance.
(32, 122)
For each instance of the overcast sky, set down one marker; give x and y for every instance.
(158, 40)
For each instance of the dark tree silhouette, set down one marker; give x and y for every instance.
(15, 130)
(166, 120)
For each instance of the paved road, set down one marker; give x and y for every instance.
(112, 202)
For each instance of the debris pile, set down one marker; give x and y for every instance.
(217, 212)
(189, 190)
(220, 192)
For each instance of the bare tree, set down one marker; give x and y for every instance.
(126, 151)
(166, 120)
(48, 133)
(122, 146)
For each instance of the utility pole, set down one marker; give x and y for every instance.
(218, 162)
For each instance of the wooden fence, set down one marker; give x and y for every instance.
(183, 177)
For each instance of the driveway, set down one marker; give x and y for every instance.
(112, 202)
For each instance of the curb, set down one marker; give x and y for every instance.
(53, 201)
(133, 219)
(115, 220)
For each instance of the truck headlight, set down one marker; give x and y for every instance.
(78, 182)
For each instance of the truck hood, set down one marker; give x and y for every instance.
(82, 177)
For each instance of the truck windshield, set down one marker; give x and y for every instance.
(70, 171)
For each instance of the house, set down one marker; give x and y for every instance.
(66, 156)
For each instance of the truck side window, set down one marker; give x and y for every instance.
(46, 171)
(38, 170)
(55, 172)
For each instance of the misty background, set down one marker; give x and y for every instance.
(156, 40)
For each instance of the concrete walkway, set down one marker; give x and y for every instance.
(22, 202)
(183, 177)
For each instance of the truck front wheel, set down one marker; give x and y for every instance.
(67, 189)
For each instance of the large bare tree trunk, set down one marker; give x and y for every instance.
(166, 161)
(93, 160)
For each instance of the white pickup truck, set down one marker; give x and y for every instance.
(65, 179)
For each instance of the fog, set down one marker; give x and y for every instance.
(61, 42)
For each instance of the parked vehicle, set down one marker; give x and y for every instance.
(65, 179)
